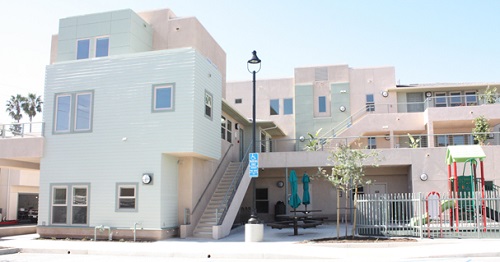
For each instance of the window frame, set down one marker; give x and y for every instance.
(288, 104)
(53, 204)
(372, 142)
(57, 114)
(73, 204)
(471, 94)
(208, 104)
(370, 103)
(238, 100)
(156, 87)
(88, 40)
(223, 127)
(454, 95)
(96, 46)
(119, 186)
(274, 107)
(229, 129)
(321, 104)
(437, 97)
(90, 107)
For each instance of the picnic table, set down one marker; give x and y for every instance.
(296, 220)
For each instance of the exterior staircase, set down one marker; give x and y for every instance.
(215, 206)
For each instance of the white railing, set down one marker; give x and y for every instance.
(15, 130)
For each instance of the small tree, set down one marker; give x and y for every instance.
(347, 174)
(32, 105)
(481, 129)
(414, 142)
(313, 144)
(490, 95)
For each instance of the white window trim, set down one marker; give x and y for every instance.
(205, 104)
(95, 45)
(455, 94)
(440, 95)
(90, 45)
(118, 197)
(53, 195)
(172, 97)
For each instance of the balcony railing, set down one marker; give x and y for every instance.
(17, 130)
(383, 141)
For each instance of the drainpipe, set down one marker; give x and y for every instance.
(135, 229)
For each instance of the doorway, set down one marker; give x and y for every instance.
(377, 189)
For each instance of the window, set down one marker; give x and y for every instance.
(59, 205)
(238, 101)
(455, 99)
(163, 98)
(263, 142)
(73, 116)
(127, 198)
(223, 128)
(69, 201)
(442, 141)
(229, 126)
(208, 105)
(83, 49)
(262, 200)
(372, 143)
(275, 107)
(440, 100)
(458, 140)
(288, 106)
(471, 98)
(63, 112)
(101, 47)
(83, 111)
(79, 205)
(370, 103)
(322, 104)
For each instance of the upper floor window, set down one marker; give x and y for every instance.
(83, 49)
(223, 127)
(275, 107)
(238, 101)
(208, 104)
(163, 98)
(471, 98)
(372, 142)
(73, 116)
(322, 104)
(455, 99)
(288, 106)
(102, 46)
(229, 131)
(440, 100)
(370, 103)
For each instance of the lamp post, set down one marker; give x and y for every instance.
(253, 61)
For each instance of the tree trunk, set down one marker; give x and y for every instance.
(346, 209)
(338, 213)
(355, 200)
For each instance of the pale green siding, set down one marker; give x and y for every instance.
(128, 33)
(304, 114)
(122, 108)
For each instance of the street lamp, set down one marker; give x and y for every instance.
(253, 61)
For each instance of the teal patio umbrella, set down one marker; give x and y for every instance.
(306, 199)
(294, 200)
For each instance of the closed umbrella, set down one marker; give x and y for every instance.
(294, 200)
(306, 199)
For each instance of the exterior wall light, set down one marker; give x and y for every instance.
(342, 108)
(424, 177)
(385, 94)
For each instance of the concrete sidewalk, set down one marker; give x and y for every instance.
(277, 244)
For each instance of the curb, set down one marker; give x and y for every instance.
(9, 250)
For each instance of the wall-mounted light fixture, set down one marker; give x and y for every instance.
(424, 177)
(387, 137)
(342, 108)
(385, 94)
(302, 138)
(428, 94)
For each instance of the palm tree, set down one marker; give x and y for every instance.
(31, 105)
(14, 106)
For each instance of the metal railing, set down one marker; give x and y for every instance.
(221, 210)
(464, 215)
(15, 130)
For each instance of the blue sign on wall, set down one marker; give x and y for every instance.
(254, 164)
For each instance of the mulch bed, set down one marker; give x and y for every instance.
(359, 239)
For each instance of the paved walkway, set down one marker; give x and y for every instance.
(277, 244)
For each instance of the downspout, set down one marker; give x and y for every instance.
(7, 207)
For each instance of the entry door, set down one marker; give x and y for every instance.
(377, 189)
(241, 137)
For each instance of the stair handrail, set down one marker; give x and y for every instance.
(211, 179)
(228, 196)
(344, 124)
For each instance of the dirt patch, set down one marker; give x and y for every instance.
(360, 239)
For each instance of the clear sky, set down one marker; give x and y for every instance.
(426, 41)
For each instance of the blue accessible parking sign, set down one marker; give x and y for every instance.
(254, 164)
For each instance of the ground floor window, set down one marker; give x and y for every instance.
(262, 200)
(126, 197)
(62, 208)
